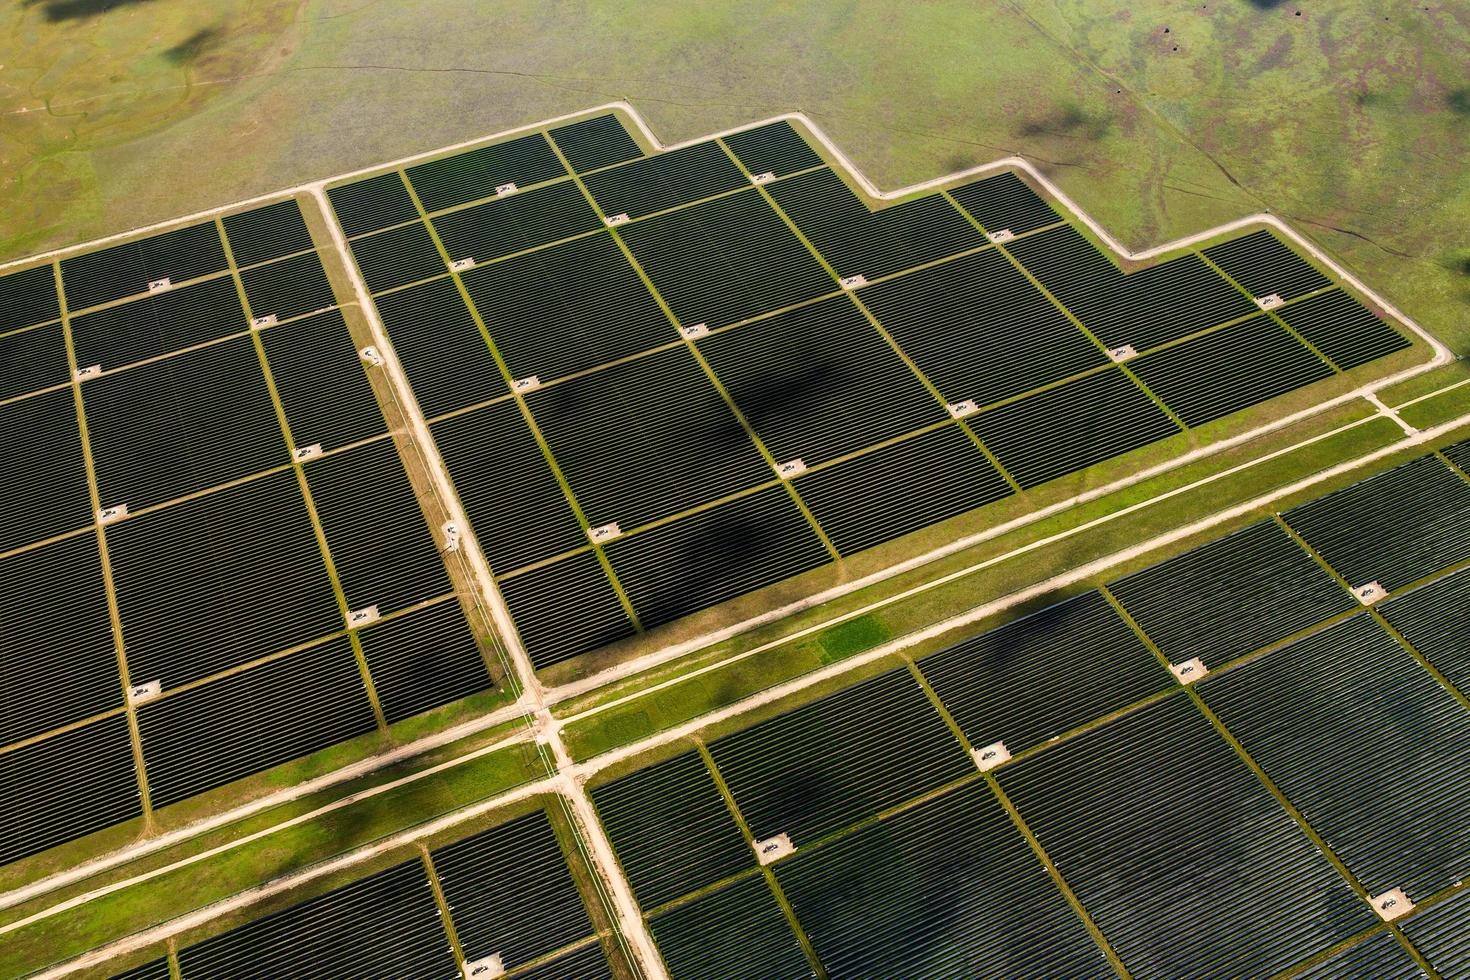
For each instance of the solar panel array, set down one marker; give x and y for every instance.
(660, 381)
(509, 899)
(202, 489)
(1235, 827)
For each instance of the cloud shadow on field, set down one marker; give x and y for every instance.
(192, 47)
(63, 10)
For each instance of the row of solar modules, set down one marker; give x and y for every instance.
(847, 389)
(1338, 711)
(511, 897)
(214, 559)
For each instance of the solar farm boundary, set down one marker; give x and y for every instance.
(590, 831)
(580, 772)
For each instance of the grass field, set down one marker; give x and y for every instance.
(1352, 120)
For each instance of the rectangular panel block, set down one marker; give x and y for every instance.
(58, 662)
(28, 298)
(900, 488)
(517, 521)
(32, 359)
(370, 204)
(66, 787)
(1005, 203)
(221, 731)
(1070, 427)
(857, 241)
(442, 351)
(516, 223)
(646, 439)
(266, 233)
(726, 260)
(1366, 744)
(220, 580)
(172, 427)
(775, 148)
(385, 925)
(474, 174)
(671, 828)
(381, 544)
(819, 381)
(729, 933)
(665, 180)
(714, 555)
(1263, 265)
(1393, 528)
(43, 485)
(830, 763)
(397, 257)
(1343, 329)
(597, 142)
(565, 609)
(1231, 596)
(322, 382)
(510, 891)
(287, 288)
(567, 308)
(423, 660)
(128, 269)
(948, 888)
(158, 324)
(1044, 674)
(1223, 372)
(979, 330)
(1144, 308)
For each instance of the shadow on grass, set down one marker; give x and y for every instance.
(190, 49)
(62, 10)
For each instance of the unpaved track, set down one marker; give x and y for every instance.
(536, 700)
